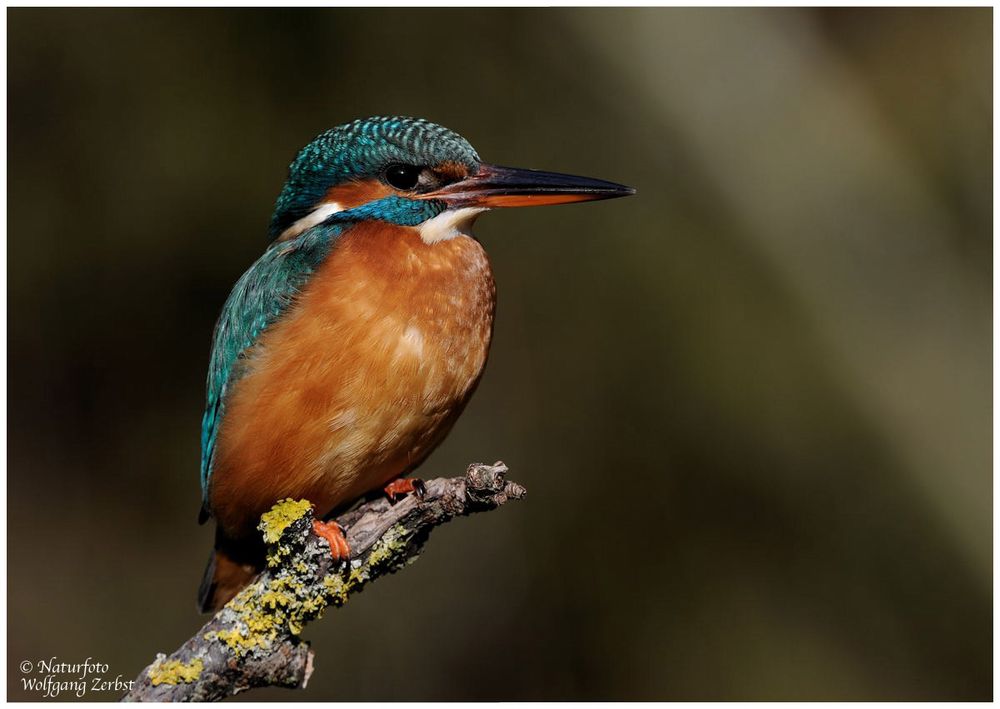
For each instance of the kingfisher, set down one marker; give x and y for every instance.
(345, 353)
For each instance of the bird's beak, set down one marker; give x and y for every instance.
(497, 186)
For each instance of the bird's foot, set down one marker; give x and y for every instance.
(333, 533)
(401, 486)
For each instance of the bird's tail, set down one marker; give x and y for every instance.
(230, 568)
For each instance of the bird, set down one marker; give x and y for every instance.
(343, 356)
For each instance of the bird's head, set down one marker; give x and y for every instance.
(411, 172)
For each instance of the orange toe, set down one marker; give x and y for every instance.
(402, 486)
(333, 533)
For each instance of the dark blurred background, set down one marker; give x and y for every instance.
(751, 405)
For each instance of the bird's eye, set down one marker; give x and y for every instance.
(402, 177)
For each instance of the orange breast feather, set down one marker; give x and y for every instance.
(361, 379)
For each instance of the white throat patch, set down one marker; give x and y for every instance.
(449, 224)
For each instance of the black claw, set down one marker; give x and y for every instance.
(419, 488)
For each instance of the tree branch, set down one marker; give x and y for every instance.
(254, 640)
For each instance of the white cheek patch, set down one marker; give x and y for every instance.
(310, 220)
(449, 224)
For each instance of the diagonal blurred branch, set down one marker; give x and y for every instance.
(254, 640)
(828, 192)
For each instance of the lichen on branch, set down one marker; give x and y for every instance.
(254, 641)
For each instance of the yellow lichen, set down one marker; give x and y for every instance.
(337, 589)
(276, 521)
(263, 613)
(175, 672)
(239, 642)
(389, 546)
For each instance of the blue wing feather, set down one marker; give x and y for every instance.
(258, 299)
